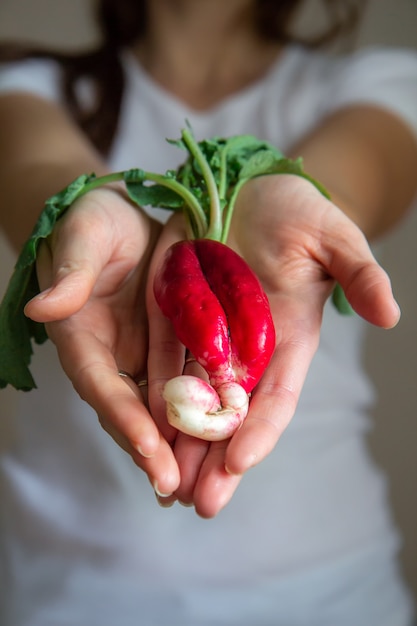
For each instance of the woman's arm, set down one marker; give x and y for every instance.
(41, 151)
(367, 159)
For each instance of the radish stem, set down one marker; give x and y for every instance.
(215, 221)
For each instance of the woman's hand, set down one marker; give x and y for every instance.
(298, 243)
(93, 271)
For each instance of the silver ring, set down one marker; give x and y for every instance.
(124, 374)
(141, 383)
(190, 359)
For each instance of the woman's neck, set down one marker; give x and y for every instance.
(203, 51)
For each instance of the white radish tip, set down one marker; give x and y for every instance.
(195, 408)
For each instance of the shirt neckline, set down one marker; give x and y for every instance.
(138, 76)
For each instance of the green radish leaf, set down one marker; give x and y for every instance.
(239, 151)
(16, 330)
(177, 143)
(154, 195)
(53, 210)
(260, 163)
(341, 302)
(289, 166)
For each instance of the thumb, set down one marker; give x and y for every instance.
(67, 275)
(366, 284)
(368, 289)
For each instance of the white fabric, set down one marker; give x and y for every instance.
(308, 538)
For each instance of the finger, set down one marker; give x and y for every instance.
(165, 361)
(162, 475)
(160, 468)
(190, 453)
(93, 372)
(215, 486)
(274, 400)
(166, 353)
(125, 417)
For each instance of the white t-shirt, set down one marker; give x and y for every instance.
(308, 539)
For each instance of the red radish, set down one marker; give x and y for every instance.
(218, 309)
(220, 312)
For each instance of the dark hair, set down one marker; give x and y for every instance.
(123, 22)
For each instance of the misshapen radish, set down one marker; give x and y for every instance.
(220, 312)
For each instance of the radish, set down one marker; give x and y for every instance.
(221, 314)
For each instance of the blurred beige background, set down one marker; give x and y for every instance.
(391, 357)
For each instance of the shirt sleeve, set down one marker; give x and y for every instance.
(38, 77)
(379, 76)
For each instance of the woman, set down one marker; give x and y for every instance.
(307, 537)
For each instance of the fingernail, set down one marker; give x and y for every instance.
(188, 505)
(43, 294)
(397, 310)
(164, 501)
(142, 453)
(159, 493)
